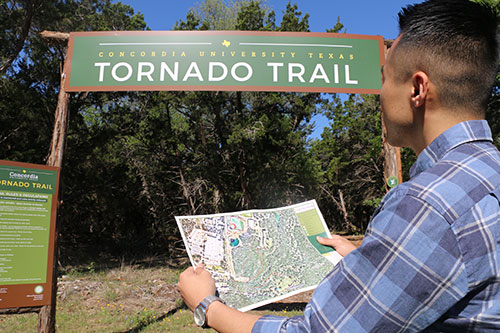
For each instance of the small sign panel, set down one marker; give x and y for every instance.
(28, 208)
(224, 60)
(392, 182)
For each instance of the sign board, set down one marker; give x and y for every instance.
(28, 205)
(392, 181)
(224, 60)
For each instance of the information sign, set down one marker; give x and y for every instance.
(28, 206)
(224, 60)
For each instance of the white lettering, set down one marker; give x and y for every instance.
(275, 66)
(211, 76)
(292, 74)
(322, 74)
(245, 78)
(336, 73)
(174, 75)
(141, 72)
(115, 69)
(193, 71)
(101, 66)
(348, 76)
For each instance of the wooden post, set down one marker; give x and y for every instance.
(47, 315)
(393, 172)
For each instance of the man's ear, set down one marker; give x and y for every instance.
(420, 89)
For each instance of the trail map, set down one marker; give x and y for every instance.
(258, 257)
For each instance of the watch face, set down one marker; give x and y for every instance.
(199, 316)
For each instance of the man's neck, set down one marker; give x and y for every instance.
(437, 122)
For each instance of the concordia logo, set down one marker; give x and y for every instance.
(23, 176)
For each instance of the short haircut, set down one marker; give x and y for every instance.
(455, 42)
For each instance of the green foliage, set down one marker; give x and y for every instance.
(291, 20)
(253, 16)
(492, 113)
(350, 156)
(337, 27)
(144, 318)
(134, 160)
(408, 158)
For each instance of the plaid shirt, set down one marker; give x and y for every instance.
(430, 260)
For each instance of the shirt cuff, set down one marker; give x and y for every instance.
(269, 323)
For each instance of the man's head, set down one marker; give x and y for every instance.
(455, 43)
(439, 71)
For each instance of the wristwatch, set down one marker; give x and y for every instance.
(200, 312)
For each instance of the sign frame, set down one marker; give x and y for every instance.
(30, 295)
(204, 87)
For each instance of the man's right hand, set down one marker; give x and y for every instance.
(341, 244)
(194, 285)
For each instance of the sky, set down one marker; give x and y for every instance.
(366, 17)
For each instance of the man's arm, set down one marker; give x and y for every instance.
(223, 318)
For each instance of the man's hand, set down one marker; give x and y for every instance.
(339, 243)
(195, 284)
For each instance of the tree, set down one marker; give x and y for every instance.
(291, 19)
(29, 90)
(135, 160)
(17, 21)
(350, 155)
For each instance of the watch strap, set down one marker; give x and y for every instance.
(209, 300)
(205, 303)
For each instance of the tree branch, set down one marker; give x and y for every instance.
(30, 9)
(54, 36)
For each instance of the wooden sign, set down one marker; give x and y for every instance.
(28, 206)
(224, 60)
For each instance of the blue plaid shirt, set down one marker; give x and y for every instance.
(430, 260)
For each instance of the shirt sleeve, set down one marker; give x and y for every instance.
(405, 276)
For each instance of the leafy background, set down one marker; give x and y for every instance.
(134, 160)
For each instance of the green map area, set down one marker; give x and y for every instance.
(258, 257)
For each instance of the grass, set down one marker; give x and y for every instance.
(130, 298)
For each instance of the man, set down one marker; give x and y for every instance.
(430, 259)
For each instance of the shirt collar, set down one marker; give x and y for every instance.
(467, 131)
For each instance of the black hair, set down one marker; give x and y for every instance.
(456, 43)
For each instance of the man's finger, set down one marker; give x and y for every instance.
(326, 241)
(200, 268)
(188, 270)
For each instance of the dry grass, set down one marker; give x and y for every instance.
(130, 298)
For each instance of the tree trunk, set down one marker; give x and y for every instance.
(244, 192)
(344, 212)
(186, 193)
(58, 142)
(47, 315)
(392, 165)
(393, 173)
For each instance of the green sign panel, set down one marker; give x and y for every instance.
(28, 198)
(218, 60)
(392, 181)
